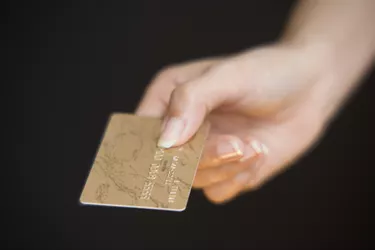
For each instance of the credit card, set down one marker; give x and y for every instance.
(130, 170)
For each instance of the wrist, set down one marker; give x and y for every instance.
(338, 74)
(331, 82)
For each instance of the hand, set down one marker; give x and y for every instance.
(266, 107)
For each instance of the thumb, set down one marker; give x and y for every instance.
(191, 102)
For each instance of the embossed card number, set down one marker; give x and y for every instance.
(131, 171)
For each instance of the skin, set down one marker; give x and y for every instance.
(268, 104)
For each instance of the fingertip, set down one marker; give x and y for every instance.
(172, 129)
(188, 105)
(229, 189)
(212, 197)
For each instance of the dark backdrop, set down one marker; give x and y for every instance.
(73, 63)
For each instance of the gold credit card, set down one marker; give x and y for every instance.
(131, 171)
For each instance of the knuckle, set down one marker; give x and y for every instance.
(166, 73)
(164, 76)
(183, 93)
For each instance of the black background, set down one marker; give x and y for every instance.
(71, 64)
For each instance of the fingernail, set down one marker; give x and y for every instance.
(228, 150)
(259, 148)
(253, 149)
(173, 129)
(261, 152)
(243, 178)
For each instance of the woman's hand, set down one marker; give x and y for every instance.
(265, 107)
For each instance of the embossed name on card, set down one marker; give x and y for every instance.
(131, 171)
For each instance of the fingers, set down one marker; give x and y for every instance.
(154, 102)
(191, 102)
(220, 170)
(223, 183)
(227, 189)
(208, 177)
(221, 149)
